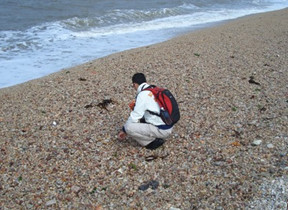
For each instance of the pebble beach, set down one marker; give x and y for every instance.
(58, 134)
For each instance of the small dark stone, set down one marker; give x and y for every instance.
(154, 184)
(82, 79)
(144, 187)
(272, 170)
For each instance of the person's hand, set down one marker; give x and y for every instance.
(122, 135)
(132, 104)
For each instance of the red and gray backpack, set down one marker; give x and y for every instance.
(169, 110)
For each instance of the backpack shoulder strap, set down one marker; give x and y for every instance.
(149, 87)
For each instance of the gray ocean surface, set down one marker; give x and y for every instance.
(39, 37)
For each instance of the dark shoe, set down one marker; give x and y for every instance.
(155, 144)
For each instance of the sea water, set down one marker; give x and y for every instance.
(39, 37)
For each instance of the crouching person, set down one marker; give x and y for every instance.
(143, 125)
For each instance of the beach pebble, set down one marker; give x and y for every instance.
(120, 170)
(59, 183)
(254, 122)
(51, 202)
(30, 206)
(256, 142)
(270, 146)
(153, 184)
(143, 187)
(75, 189)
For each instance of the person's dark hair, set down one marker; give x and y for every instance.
(138, 78)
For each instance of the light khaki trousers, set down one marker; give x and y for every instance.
(145, 133)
